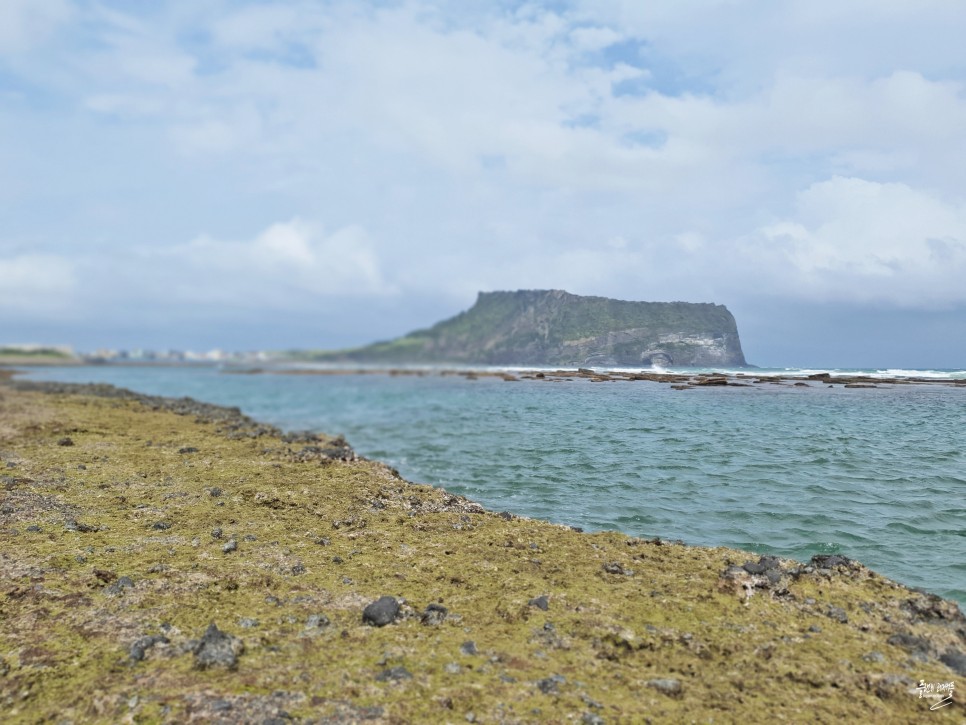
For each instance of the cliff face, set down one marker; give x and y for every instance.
(552, 327)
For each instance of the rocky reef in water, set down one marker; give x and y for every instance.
(171, 561)
(553, 327)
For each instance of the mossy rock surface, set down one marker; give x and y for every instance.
(128, 527)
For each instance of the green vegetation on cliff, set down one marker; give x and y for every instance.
(552, 327)
(18, 355)
(129, 525)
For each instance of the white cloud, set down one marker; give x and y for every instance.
(36, 284)
(287, 265)
(900, 110)
(740, 45)
(857, 240)
(412, 82)
(594, 38)
(231, 130)
(25, 23)
(266, 27)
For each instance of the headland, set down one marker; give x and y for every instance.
(554, 327)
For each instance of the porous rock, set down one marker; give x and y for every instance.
(217, 649)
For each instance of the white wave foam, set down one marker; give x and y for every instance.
(932, 374)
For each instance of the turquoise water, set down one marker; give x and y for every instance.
(876, 474)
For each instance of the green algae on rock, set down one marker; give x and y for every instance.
(104, 614)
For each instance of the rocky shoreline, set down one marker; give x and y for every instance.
(166, 560)
(678, 381)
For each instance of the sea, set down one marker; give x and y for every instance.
(876, 474)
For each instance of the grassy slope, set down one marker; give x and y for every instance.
(330, 537)
(43, 356)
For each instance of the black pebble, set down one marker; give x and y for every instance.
(541, 602)
(381, 612)
(395, 674)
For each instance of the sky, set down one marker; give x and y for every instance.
(319, 174)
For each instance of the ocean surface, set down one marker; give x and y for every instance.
(878, 475)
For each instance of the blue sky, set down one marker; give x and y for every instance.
(319, 174)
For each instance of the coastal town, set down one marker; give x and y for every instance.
(27, 354)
